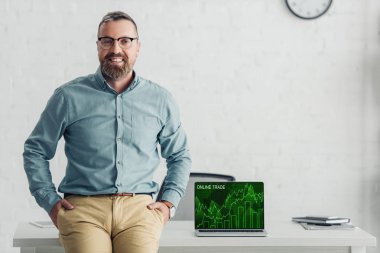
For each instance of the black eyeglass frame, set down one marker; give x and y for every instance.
(124, 37)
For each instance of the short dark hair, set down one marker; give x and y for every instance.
(117, 15)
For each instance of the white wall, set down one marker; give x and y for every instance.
(264, 95)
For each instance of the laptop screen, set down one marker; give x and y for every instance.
(229, 205)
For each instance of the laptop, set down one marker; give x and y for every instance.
(229, 209)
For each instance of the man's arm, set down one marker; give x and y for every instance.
(41, 146)
(174, 148)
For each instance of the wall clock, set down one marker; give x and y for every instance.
(308, 9)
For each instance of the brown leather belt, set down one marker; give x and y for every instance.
(121, 194)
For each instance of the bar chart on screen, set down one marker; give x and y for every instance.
(226, 206)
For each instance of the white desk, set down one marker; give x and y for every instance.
(178, 236)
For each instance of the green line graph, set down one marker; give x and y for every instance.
(225, 205)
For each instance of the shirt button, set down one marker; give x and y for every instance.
(119, 162)
(119, 139)
(119, 116)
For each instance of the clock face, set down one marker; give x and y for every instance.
(308, 9)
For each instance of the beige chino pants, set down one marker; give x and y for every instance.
(107, 224)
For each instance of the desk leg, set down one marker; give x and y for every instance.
(357, 249)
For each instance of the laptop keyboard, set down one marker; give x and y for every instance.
(229, 230)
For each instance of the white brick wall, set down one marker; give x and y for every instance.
(264, 95)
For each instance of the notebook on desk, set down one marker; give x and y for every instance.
(229, 209)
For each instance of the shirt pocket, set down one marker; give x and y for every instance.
(145, 130)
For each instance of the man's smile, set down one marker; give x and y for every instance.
(116, 61)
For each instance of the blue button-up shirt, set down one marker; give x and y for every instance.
(111, 141)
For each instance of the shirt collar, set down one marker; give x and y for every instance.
(103, 83)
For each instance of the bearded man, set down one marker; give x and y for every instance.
(112, 122)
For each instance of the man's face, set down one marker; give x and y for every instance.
(117, 62)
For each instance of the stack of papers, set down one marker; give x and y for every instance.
(43, 224)
(344, 226)
(323, 222)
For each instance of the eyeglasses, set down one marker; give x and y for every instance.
(108, 42)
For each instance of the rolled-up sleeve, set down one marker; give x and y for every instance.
(174, 148)
(40, 147)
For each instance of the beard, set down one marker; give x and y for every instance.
(114, 72)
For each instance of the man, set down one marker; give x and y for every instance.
(112, 122)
